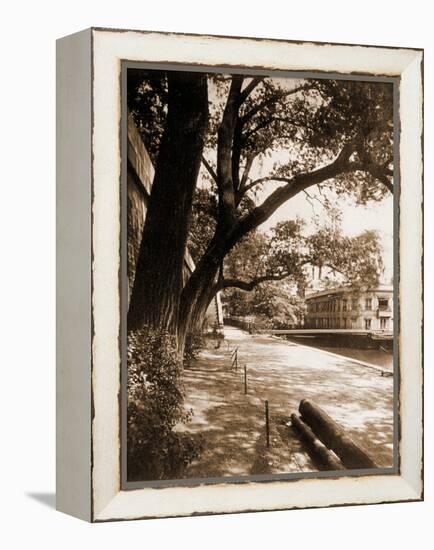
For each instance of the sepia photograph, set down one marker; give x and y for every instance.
(259, 253)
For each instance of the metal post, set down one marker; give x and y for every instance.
(267, 424)
(234, 363)
(245, 379)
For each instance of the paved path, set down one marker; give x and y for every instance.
(232, 423)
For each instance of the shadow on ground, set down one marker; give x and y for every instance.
(233, 424)
(47, 499)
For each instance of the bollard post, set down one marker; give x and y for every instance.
(234, 359)
(245, 379)
(267, 424)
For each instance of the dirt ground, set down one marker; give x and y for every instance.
(232, 424)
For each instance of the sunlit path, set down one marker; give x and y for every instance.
(232, 423)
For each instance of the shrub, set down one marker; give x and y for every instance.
(155, 407)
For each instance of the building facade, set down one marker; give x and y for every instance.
(348, 308)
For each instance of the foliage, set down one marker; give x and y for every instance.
(202, 223)
(194, 343)
(277, 302)
(147, 98)
(357, 259)
(270, 305)
(155, 408)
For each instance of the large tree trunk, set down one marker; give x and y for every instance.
(159, 273)
(195, 296)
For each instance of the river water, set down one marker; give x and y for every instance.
(379, 357)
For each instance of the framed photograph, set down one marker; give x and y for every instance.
(239, 274)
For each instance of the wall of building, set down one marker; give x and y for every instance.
(137, 203)
(371, 309)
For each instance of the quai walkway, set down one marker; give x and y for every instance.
(232, 423)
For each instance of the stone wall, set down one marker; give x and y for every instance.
(136, 204)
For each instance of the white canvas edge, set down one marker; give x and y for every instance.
(109, 48)
(73, 274)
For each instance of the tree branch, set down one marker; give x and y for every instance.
(283, 93)
(247, 168)
(293, 186)
(381, 173)
(243, 187)
(225, 185)
(209, 168)
(250, 285)
(236, 155)
(250, 87)
(272, 119)
(246, 187)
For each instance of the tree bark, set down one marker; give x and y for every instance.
(197, 293)
(159, 273)
(225, 175)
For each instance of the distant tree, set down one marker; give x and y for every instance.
(272, 303)
(260, 261)
(357, 259)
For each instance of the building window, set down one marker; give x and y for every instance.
(383, 303)
(368, 303)
(344, 305)
(354, 304)
(353, 322)
(367, 324)
(383, 323)
(344, 322)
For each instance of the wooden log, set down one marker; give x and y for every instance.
(352, 455)
(318, 450)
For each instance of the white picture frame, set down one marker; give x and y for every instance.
(88, 271)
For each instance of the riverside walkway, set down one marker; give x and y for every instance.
(355, 394)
